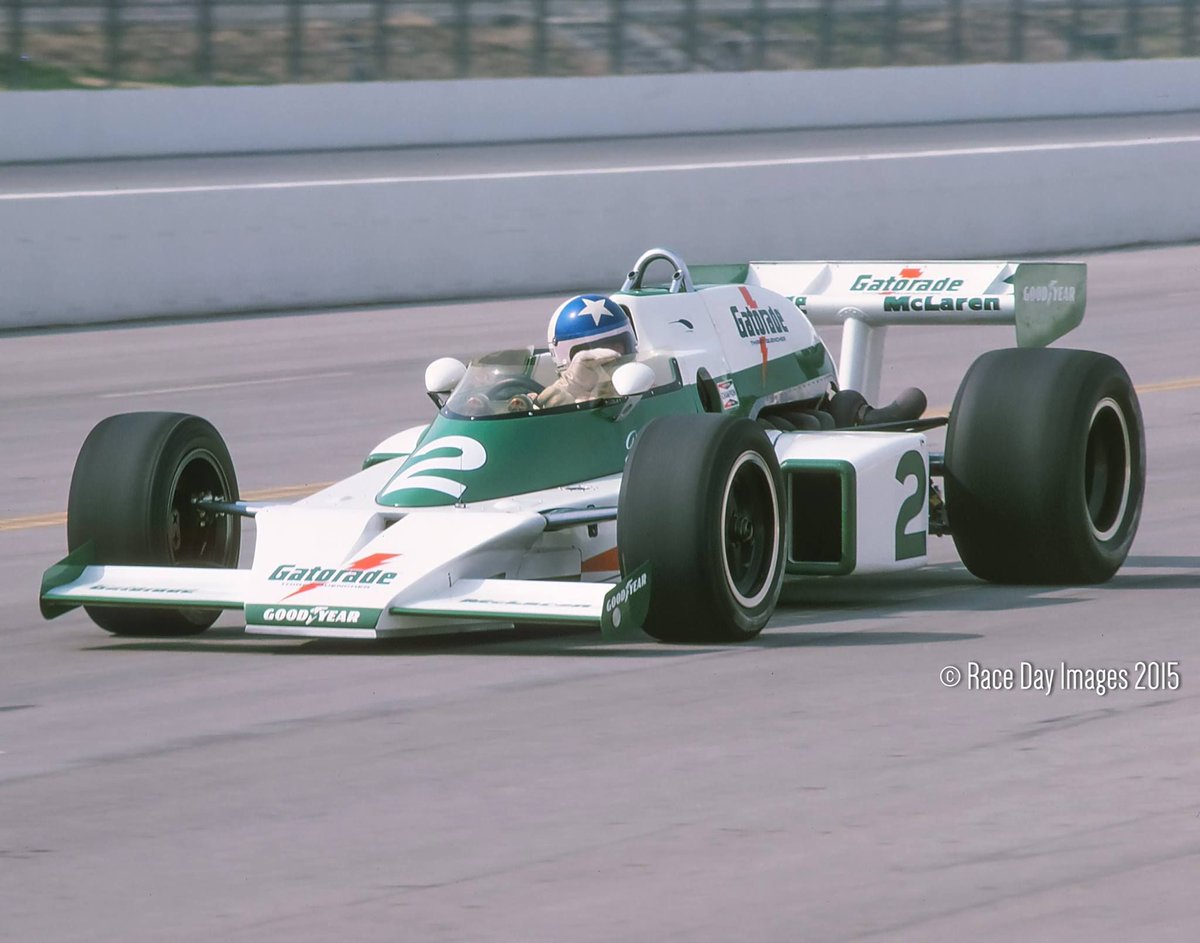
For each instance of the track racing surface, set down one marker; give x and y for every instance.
(820, 783)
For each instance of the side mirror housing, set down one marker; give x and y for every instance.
(442, 376)
(632, 379)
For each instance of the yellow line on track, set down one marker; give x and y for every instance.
(298, 491)
(36, 520)
(1170, 386)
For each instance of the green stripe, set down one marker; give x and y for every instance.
(781, 373)
(530, 453)
(566, 446)
(376, 457)
(728, 273)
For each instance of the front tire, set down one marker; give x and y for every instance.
(702, 503)
(131, 497)
(1045, 466)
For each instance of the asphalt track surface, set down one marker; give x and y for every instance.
(818, 784)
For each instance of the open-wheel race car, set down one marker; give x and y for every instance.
(724, 454)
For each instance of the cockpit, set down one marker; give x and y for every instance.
(508, 383)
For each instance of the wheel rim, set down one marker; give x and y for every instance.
(749, 530)
(196, 536)
(1107, 469)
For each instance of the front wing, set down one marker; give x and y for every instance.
(614, 608)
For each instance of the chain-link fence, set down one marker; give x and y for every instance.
(82, 43)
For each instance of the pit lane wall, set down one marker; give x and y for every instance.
(191, 251)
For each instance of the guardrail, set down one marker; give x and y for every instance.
(80, 43)
(155, 251)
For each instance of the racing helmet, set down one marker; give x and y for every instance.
(589, 321)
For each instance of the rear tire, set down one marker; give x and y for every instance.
(1045, 466)
(702, 503)
(131, 497)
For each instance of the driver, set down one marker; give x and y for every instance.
(587, 335)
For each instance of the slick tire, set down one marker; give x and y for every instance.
(131, 497)
(702, 502)
(1045, 466)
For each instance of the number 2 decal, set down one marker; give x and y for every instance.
(450, 453)
(909, 545)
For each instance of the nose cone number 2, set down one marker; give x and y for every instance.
(449, 453)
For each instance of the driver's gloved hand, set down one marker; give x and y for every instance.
(585, 378)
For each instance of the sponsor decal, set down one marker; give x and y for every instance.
(1048, 294)
(685, 322)
(525, 603)
(1050, 298)
(614, 600)
(909, 279)
(364, 572)
(316, 616)
(930, 303)
(626, 604)
(755, 322)
(759, 325)
(107, 588)
(728, 393)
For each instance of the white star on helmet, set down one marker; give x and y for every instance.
(594, 308)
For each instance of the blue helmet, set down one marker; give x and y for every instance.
(589, 321)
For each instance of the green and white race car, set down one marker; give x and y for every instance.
(728, 454)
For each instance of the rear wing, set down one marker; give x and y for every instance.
(1044, 300)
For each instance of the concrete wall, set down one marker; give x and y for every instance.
(39, 126)
(97, 258)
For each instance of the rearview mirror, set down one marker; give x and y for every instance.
(632, 379)
(442, 376)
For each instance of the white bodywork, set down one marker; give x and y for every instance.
(883, 472)
(381, 572)
(339, 564)
(336, 564)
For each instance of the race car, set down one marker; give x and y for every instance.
(728, 454)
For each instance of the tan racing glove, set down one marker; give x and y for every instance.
(586, 378)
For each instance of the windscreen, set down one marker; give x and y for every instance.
(502, 383)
